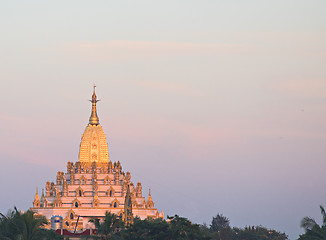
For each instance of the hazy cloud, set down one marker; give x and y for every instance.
(306, 88)
(168, 87)
(124, 50)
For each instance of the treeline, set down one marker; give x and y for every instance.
(179, 228)
(28, 226)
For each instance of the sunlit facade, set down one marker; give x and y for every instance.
(93, 185)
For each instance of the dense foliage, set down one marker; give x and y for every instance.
(108, 228)
(28, 226)
(313, 230)
(179, 228)
(24, 226)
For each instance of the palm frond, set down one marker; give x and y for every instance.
(308, 223)
(323, 213)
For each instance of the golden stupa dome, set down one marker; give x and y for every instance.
(93, 145)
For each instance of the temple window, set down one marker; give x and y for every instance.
(71, 216)
(80, 193)
(115, 204)
(111, 193)
(76, 204)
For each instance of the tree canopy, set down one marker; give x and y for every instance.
(28, 226)
(24, 226)
(314, 231)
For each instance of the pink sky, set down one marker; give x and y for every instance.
(218, 107)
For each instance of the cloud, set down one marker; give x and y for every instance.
(169, 87)
(126, 50)
(307, 88)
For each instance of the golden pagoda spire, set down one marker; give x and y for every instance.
(94, 120)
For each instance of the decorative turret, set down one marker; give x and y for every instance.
(60, 178)
(127, 214)
(36, 202)
(94, 120)
(48, 189)
(70, 167)
(57, 201)
(65, 188)
(110, 167)
(150, 203)
(139, 190)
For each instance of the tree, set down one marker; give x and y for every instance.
(182, 228)
(110, 225)
(220, 228)
(24, 226)
(219, 222)
(146, 230)
(258, 233)
(8, 228)
(175, 228)
(313, 230)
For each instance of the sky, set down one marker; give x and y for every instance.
(217, 106)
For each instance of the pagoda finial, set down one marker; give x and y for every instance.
(94, 120)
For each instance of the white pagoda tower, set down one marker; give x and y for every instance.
(93, 185)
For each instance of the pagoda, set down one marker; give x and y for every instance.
(93, 185)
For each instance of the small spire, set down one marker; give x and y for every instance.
(150, 203)
(149, 192)
(36, 202)
(127, 217)
(94, 120)
(37, 197)
(149, 196)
